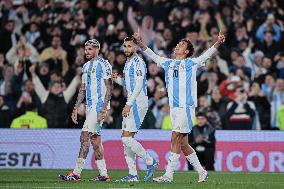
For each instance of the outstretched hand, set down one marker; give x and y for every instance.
(137, 36)
(221, 39)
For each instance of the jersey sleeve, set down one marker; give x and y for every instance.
(159, 60)
(107, 70)
(84, 74)
(200, 61)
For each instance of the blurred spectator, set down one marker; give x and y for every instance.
(5, 113)
(228, 87)
(269, 25)
(55, 56)
(269, 47)
(8, 85)
(202, 139)
(7, 37)
(30, 119)
(146, 28)
(262, 107)
(22, 52)
(55, 100)
(240, 64)
(118, 101)
(219, 104)
(268, 86)
(280, 64)
(212, 116)
(277, 100)
(280, 118)
(240, 112)
(162, 114)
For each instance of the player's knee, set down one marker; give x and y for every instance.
(95, 142)
(126, 141)
(84, 138)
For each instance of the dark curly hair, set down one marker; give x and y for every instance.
(190, 47)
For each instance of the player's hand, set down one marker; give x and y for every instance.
(126, 110)
(220, 40)
(102, 115)
(137, 36)
(114, 76)
(74, 115)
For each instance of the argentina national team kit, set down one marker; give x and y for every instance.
(94, 73)
(135, 70)
(180, 77)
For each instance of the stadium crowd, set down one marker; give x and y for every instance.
(42, 52)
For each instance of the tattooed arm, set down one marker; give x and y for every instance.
(80, 98)
(108, 84)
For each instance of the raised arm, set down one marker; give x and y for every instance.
(148, 52)
(41, 92)
(131, 20)
(200, 61)
(71, 89)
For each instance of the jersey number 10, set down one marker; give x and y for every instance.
(175, 73)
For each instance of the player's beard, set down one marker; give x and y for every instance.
(129, 54)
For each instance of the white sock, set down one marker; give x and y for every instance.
(79, 166)
(130, 160)
(101, 164)
(172, 163)
(193, 160)
(138, 149)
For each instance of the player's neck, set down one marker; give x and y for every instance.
(180, 57)
(129, 58)
(94, 58)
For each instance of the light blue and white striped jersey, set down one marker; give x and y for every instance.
(135, 70)
(94, 73)
(180, 77)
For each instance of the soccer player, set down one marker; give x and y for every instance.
(134, 111)
(96, 86)
(180, 77)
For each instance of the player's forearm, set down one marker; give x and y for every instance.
(81, 96)
(142, 46)
(137, 89)
(108, 83)
(153, 56)
(205, 56)
(119, 81)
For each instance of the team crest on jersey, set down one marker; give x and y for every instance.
(93, 70)
(182, 66)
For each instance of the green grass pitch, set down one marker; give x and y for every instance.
(48, 179)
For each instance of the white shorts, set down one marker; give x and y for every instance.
(91, 123)
(182, 119)
(135, 118)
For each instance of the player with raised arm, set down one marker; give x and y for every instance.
(134, 111)
(96, 86)
(180, 77)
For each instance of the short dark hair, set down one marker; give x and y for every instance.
(201, 114)
(190, 47)
(55, 82)
(130, 38)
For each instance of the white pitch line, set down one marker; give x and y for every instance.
(44, 187)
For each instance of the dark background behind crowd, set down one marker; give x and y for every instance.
(42, 52)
